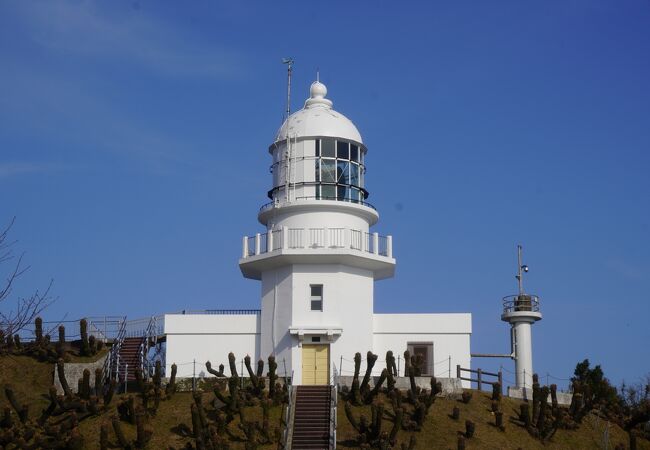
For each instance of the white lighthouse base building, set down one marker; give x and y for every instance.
(317, 262)
(210, 337)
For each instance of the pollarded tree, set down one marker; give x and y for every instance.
(26, 309)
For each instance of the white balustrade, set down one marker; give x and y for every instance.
(317, 238)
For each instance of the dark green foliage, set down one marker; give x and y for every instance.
(601, 394)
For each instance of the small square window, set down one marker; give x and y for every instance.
(315, 339)
(316, 297)
(317, 147)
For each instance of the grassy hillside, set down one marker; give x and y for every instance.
(31, 381)
(441, 431)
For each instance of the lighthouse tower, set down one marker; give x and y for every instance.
(318, 258)
(521, 311)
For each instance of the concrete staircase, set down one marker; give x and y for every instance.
(311, 426)
(130, 354)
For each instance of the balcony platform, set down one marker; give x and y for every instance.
(287, 246)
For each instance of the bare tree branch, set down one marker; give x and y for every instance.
(27, 308)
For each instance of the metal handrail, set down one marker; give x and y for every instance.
(334, 383)
(289, 410)
(223, 312)
(271, 204)
(113, 356)
(520, 302)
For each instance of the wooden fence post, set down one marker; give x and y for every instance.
(478, 371)
(458, 371)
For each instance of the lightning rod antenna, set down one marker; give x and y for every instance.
(289, 63)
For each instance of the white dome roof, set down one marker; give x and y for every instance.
(318, 118)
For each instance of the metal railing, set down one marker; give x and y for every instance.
(317, 238)
(112, 361)
(334, 398)
(274, 204)
(480, 380)
(521, 302)
(222, 312)
(288, 418)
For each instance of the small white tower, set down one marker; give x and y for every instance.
(521, 311)
(318, 259)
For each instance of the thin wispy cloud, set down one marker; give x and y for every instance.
(15, 169)
(84, 29)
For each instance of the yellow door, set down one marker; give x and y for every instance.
(315, 364)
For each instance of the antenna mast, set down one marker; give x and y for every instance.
(521, 268)
(289, 63)
(288, 155)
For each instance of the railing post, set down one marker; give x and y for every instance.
(375, 243)
(479, 379)
(326, 237)
(257, 243)
(501, 381)
(457, 370)
(244, 247)
(269, 241)
(285, 234)
(399, 360)
(389, 246)
(449, 366)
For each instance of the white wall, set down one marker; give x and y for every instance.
(207, 337)
(449, 333)
(277, 316)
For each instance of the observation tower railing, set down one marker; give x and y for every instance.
(520, 303)
(317, 238)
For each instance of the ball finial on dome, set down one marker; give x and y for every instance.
(317, 93)
(317, 90)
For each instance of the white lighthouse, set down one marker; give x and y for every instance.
(317, 259)
(521, 311)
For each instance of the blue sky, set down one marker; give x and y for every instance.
(133, 142)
